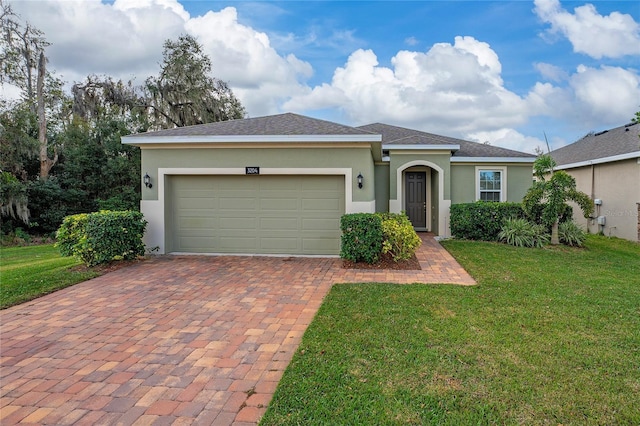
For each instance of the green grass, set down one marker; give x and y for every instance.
(548, 337)
(32, 271)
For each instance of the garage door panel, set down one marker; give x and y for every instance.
(237, 244)
(319, 224)
(283, 245)
(320, 245)
(195, 243)
(197, 223)
(278, 204)
(201, 203)
(205, 234)
(279, 224)
(231, 203)
(245, 223)
(204, 193)
(321, 205)
(256, 214)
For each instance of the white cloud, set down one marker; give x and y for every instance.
(122, 40)
(589, 32)
(551, 72)
(605, 94)
(450, 89)
(593, 97)
(244, 57)
(509, 138)
(411, 41)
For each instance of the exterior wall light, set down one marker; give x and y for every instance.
(147, 180)
(360, 179)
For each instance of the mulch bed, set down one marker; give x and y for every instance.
(385, 262)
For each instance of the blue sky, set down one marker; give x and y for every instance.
(503, 72)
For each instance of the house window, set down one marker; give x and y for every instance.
(491, 184)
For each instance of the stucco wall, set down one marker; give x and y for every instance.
(435, 203)
(463, 181)
(358, 159)
(382, 187)
(617, 184)
(463, 186)
(520, 179)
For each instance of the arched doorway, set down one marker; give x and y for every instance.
(420, 191)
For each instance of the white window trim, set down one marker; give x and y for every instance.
(503, 181)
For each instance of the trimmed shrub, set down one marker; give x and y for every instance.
(571, 234)
(522, 233)
(361, 237)
(102, 237)
(482, 220)
(400, 239)
(71, 237)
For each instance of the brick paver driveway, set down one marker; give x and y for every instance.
(173, 340)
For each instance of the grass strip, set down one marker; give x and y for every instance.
(30, 272)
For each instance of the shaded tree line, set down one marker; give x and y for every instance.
(60, 150)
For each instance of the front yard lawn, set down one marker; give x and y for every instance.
(549, 336)
(32, 271)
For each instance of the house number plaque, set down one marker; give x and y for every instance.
(252, 170)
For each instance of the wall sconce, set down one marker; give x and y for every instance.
(360, 178)
(147, 180)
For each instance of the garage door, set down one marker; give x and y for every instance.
(255, 214)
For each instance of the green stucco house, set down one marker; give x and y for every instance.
(279, 184)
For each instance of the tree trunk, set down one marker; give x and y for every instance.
(45, 162)
(555, 240)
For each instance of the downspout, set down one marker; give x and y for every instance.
(593, 195)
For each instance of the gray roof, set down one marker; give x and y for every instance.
(289, 124)
(609, 143)
(401, 136)
(281, 124)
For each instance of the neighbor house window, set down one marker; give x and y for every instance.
(491, 184)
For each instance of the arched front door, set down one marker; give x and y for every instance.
(416, 198)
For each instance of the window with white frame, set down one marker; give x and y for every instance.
(491, 184)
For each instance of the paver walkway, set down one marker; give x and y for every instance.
(173, 340)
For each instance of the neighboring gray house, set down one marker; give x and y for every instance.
(279, 184)
(606, 166)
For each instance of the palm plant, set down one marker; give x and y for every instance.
(553, 193)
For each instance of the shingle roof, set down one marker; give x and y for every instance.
(609, 143)
(401, 136)
(289, 124)
(281, 124)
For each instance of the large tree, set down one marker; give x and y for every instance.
(98, 98)
(552, 189)
(23, 63)
(185, 93)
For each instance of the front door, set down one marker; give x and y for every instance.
(416, 198)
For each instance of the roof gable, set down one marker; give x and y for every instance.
(615, 142)
(274, 125)
(393, 135)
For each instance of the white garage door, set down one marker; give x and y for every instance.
(255, 214)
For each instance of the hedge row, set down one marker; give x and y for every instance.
(482, 220)
(366, 236)
(101, 237)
